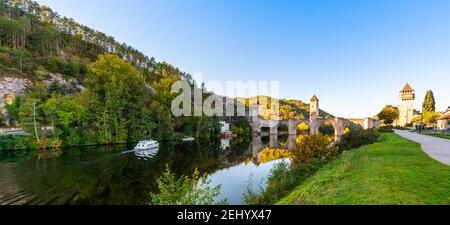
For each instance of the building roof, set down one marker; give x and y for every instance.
(445, 116)
(407, 88)
(314, 98)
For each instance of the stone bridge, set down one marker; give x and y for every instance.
(314, 122)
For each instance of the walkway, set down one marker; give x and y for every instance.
(436, 148)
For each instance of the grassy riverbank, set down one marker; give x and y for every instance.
(393, 171)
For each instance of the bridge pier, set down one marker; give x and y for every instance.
(256, 147)
(273, 142)
(274, 131)
(292, 141)
(292, 127)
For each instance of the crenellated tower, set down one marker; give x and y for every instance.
(406, 107)
(314, 110)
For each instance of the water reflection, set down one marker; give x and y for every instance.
(146, 154)
(114, 175)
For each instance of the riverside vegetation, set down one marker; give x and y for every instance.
(311, 153)
(392, 171)
(112, 92)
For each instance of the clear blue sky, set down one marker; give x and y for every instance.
(354, 55)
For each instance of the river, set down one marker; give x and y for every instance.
(115, 175)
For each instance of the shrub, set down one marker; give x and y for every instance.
(358, 137)
(12, 142)
(385, 129)
(312, 147)
(54, 64)
(241, 126)
(195, 190)
(282, 180)
(2, 118)
(71, 69)
(72, 137)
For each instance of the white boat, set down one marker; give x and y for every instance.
(148, 144)
(186, 139)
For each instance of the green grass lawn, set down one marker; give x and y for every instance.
(439, 135)
(393, 171)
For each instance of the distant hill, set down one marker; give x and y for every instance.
(289, 108)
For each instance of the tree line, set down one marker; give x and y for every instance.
(23, 19)
(124, 96)
(116, 105)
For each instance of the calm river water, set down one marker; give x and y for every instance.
(116, 175)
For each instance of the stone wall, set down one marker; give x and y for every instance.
(12, 86)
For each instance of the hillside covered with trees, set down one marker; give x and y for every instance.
(112, 92)
(288, 108)
(118, 95)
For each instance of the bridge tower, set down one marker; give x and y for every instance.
(314, 112)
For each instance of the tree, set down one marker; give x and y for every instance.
(30, 117)
(116, 87)
(431, 117)
(389, 114)
(195, 190)
(429, 108)
(165, 76)
(13, 109)
(63, 112)
(2, 118)
(429, 104)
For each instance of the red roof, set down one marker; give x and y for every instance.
(445, 116)
(314, 98)
(407, 88)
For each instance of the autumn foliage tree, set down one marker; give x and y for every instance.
(389, 114)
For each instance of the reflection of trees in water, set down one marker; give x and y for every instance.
(102, 175)
(265, 140)
(283, 140)
(271, 154)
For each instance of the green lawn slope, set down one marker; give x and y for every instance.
(393, 171)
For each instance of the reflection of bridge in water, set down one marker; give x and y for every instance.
(257, 145)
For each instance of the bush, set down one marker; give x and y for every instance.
(385, 129)
(71, 69)
(241, 126)
(2, 118)
(282, 180)
(356, 138)
(195, 190)
(312, 147)
(12, 142)
(72, 137)
(54, 64)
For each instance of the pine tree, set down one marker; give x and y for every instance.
(429, 104)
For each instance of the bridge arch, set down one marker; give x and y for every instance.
(303, 127)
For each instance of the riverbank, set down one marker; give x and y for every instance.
(392, 171)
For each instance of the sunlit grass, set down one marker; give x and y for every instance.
(393, 171)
